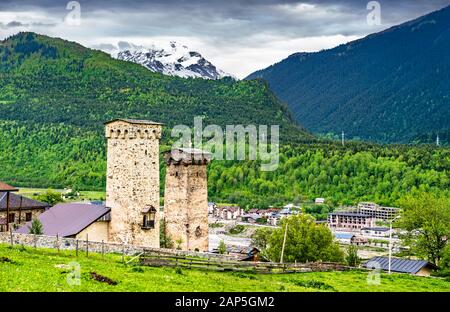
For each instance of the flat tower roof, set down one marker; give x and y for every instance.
(135, 121)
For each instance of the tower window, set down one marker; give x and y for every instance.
(148, 217)
(198, 232)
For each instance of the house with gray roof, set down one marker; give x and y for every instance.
(415, 267)
(74, 220)
(16, 209)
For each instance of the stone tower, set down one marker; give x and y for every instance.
(132, 181)
(186, 198)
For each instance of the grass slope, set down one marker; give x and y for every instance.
(35, 270)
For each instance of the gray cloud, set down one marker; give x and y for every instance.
(240, 35)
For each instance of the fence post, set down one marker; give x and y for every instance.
(35, 241)
(11, 236)
(57, 242)
(123, 253)
(76, 247)
(103, 248)
(87, 245)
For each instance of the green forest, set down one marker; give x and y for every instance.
(61, 156)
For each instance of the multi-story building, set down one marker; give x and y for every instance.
(377, 211)
(349, 221)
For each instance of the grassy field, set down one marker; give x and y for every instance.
(28, 269)
(84, 195)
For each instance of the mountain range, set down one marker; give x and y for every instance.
(391, 86)
(176, 60)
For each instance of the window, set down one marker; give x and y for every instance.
(198, 232)
(28, 216)
(148, 218)
(11, 218)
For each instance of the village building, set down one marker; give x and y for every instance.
(376, 211)
(15, 210)
(376, 231)
(415, 267)
(349, 221)
(186, 198)
(211, 207)
(250, 217)
(319, 201)
(81, 221)
(242, 253)
(228, 212)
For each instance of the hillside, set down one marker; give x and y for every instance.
(391, 86)
(55, 96)
(49, 81)
(28, 269)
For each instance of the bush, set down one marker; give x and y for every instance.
(237, 229)
(36, 227)
(222, 249)
(352, 257)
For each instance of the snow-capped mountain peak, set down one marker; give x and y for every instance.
(175, 60)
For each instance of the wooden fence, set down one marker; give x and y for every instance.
(158, 260)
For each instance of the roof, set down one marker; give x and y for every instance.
(187, 156)
(134, 121)
(399, 265)
(148, 209)
(68, 219)
(380, 229)
(7, 188)
(18, 201)
(253, 216)
(349, 214)
(343, 235)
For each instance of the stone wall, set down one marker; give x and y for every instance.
(132, 180)
(186, 204)
(52, 242)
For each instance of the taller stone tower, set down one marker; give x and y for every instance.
(132, 181)
(186, 198)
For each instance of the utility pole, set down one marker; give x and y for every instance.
(343, 138)
(284, 243)
(437, 140)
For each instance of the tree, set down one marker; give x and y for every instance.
(36, 227)
(222, 247)
(50, 197)
(352, 257)
(165, 240)
(426, 218)
(445, 261)
(305, 241)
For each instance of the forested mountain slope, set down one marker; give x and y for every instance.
(391, 86)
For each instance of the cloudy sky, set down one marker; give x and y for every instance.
(238, 36)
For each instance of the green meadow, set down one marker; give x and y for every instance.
(28, 269)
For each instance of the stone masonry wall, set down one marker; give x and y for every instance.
(132, 181)
(186, 205)
(52, 242)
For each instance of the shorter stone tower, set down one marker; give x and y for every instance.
(186, 198)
